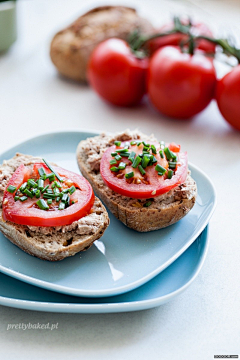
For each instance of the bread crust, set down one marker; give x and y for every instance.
(57, 243)
(160, 214)
(71, 47)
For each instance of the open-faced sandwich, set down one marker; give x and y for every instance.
(47, 211)
(145, 183)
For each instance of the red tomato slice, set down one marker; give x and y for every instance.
(142, 187)
(28, 213)
(174, 147)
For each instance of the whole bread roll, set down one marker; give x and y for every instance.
(71, 47)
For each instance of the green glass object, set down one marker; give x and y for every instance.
(8, 24)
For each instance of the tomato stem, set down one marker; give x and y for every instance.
(138, 41)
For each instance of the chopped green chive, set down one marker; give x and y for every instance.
(61, 206)
(23, 198)
(118, 157)
(139, 143)
(154, 160)
(51, 176)
(38, 194)
(162, 144)
(147, 204)
(126, 154)
(147, 145)
(136, 162)
(58, 185)
(46, 187)
(23, 187)
(55, 173)
(32, 183)
(16, 198)
(170, 174)
(151, 160)
(132, 156)
(129, 175)
(113, 161)
(141, 169)
(58, 199)
(160, 173)
(122, 166)
(65, 191)
(28, 193)
(49, 196)
(122, 150)
(113, 153)
(145, 161)
(64, 198)
(117, 143)
(49, 191)
(154, 151)
(133, 143)
(72, 189)
(172, 164)
(160, 169)
(169, 154)
(41, 172)
(114, 169)
(53, 185)
(11, 189)
(161, 154)
(145, 148)
(42, 204)
(56, 191)
(40, 184)
(73, 202)
(49, 201)
(33, 191)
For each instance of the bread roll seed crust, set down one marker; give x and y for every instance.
(165, 210)
(51, 243)
(71, 47)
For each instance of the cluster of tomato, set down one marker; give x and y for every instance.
(179, 84)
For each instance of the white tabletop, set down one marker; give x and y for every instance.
(204, 320)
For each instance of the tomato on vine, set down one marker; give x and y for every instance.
(228, 97)
(177, 38)
(116, 74)
(180, 85)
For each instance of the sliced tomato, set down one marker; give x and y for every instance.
(174, 147)
(28, 213)
(142, 186)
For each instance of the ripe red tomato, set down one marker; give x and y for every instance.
(197, 29)
(228, 97)
(180, 85)
(141, 186)
(28, 213)
(116, 74)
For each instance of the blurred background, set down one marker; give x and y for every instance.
(32, 91)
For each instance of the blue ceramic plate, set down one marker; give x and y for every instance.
(122, 259)
(163, 288)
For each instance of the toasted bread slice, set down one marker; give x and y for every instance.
(165, 210)
(51, 243)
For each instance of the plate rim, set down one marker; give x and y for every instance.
(126, 306)
(120, 289)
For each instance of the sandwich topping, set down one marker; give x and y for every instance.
(143, 170)
(40, 195)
